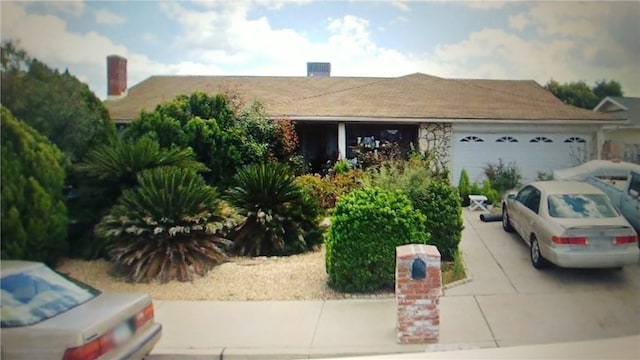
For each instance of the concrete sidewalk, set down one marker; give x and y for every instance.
(487, 312)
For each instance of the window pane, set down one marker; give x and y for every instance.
(39, 294)
(575, 206)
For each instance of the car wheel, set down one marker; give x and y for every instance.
(537, 260)
(506, 224)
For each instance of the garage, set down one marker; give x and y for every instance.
(531, 152)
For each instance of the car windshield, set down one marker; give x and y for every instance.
(39, 294)
(577, 206)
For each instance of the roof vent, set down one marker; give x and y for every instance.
(318, 69)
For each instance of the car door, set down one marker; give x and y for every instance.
(630, 201)
(530, 214)
(518, 206)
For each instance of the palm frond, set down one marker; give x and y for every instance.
(278, 214)
(172, 226)
(122, 160)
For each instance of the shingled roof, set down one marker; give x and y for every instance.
(415, 96)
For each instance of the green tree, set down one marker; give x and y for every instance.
(206, 124)
(579, 94)
(34, 216)
(266, 138)
(56, 104)
(222, 139)
(606, 88)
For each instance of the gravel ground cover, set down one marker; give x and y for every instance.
(298, 277)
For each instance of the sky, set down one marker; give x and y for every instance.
(517, 40)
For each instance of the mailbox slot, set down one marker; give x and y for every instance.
(418, 269)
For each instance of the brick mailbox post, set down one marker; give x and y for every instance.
(418, 289)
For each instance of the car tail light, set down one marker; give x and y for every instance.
(626, 239)
(143, 317)
(105, 343)
(569, 240)
(91, 350)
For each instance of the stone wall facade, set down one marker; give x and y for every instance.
(435, 139)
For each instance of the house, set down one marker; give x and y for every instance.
(621, 141)
(470, 122)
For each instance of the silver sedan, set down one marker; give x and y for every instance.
(46, 315)
(570, 224)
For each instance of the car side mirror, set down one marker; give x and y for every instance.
(634, 194)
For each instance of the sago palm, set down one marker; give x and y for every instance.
(280, 218)
(171, 226)
(121, 161)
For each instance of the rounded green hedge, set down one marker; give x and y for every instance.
(440, 203)
(366, 227)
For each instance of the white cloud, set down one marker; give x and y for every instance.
(400, 5)
(150, 38)
(72, 7)
(46, 37)
(193, 68)
(583, 19)
(503, 55)
(484, 4)
(218, 38)
(495, 53)
(108, 18)
(519, 21)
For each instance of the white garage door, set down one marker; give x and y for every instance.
(532, 153)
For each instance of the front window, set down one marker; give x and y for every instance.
(39, 294)
(578, 206)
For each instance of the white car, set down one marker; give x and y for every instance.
(46, 315)
(570, 224)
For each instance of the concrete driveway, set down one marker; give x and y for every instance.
(522, 305)
(506, 303)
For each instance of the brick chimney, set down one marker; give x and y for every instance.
(116, 77)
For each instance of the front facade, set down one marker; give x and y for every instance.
(468, 123)
(621, 141)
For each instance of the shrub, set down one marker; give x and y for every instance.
(345, 183)
(493, 197)
(440, 203)
(273, 140)
(319, 188)
(544, 176)
(342, 167)
(464, 187)
(437, 201)
(280, 218)
(101, 178)
(399, 174)
(367, 226)
(475, 188)
(169, 227)
(503, 176)
(34, 216)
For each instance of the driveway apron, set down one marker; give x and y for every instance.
(522, 305)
